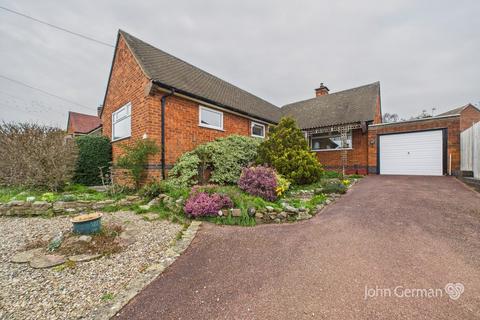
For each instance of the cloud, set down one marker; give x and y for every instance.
(424, 54)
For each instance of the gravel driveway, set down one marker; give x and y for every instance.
(388, 234)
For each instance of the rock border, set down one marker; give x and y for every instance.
(121, 299)
(35, 208)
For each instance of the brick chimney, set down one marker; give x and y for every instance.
(321, 91)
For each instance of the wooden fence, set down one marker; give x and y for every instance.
(470, 150)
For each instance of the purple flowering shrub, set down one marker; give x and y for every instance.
(259, 181)
(201, 204)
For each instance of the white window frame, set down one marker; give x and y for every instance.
(257, 124)
(128, 107)
(350, 133)
(200, 108)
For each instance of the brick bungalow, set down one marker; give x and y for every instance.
(153, 94)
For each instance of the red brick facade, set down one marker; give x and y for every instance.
(468, 117)
(128, 83)
(357, 157)
(452, 124)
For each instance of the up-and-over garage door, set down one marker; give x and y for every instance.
(413, 153)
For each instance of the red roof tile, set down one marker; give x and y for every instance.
(82, 123)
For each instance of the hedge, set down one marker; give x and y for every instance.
(93, 152)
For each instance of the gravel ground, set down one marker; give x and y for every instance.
(29, 293)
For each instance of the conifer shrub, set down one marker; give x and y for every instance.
(287, 151)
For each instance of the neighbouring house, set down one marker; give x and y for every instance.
(152, 94)
(80, 124)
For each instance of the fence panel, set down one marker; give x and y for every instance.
(466, 150)
(476, 150)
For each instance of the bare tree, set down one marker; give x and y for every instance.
(390, 117)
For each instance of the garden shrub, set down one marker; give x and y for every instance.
(185, 171)
(33, 155)
(152, 190)
(94, 152)
(225, 157)
(202, 204)
(282, 185)
(228, 156)
(259, 181)
(136, 157)
(287, 151)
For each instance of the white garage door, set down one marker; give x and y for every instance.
(416, 153)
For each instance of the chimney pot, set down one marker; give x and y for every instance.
(322, 90)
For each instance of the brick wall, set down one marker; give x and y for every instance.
(452, 124)
(469, 116)
(128, 83)
(357, 157)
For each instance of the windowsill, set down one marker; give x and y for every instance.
(210, 127)
(120, 139)
(324, 150)
(261, 137)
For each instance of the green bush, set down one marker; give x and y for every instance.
(94, 152)
(153, 189)
(287, 151)
(136, 157)
(226, 157)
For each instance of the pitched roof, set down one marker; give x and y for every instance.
(170, 71)
(456, 110)
(348, 106)
(82, 123)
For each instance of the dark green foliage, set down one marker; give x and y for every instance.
(94, 152)
(332, 174)
(136, 157)
(287, 151)
(153, 189)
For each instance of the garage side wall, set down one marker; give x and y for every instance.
(452, 124)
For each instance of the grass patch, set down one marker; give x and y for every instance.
(107, 297)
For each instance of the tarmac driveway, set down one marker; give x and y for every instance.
(409, 236)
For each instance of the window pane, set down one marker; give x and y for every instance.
(257, 130)
(122, 112)
(122, 128)
(211, 118)
(331, 142)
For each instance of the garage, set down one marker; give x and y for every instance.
(412, 153)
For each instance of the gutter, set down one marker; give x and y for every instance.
(181, 92)
(415, 120)
(163, 102)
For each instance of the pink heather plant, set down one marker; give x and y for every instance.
(202, 204)
(259, 181)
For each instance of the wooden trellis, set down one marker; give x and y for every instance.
(343, 130)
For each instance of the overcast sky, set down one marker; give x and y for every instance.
(424, 53)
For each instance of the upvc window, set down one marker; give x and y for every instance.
(210, 118)
(331, 141)
(121, 122)
(258, 130)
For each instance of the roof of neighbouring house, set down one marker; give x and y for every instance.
(170, 71)
(348, 106)
(456, 110)
(82, 123)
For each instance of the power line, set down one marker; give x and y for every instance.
(45, 92)
(57, 27)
